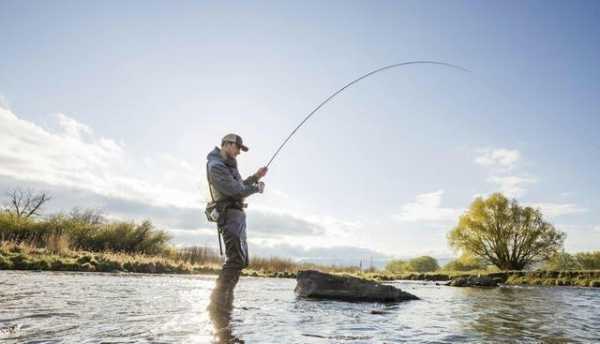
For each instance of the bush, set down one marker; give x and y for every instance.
(419, 264)
(588, 260)
(561, 261)
(465, 263)
(84, 231)
(579, 261)
(5, 263)
(397, 266)
(423, 264)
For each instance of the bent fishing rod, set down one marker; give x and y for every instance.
(352, 83)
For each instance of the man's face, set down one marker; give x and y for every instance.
(232, 150)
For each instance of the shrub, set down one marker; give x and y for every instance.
(465, 263)
(84, 231)
(423, 264)
(588, 260)
(397, 266)
(5, 263)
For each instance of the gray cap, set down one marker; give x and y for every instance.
(234, 138)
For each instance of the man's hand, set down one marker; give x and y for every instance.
(261, 172)
(261, 187)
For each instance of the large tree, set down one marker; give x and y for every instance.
(505, 234)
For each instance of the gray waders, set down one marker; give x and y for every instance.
(233, 232)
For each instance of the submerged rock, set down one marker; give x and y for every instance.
(474, 281)
(9, 330)
(315, 284)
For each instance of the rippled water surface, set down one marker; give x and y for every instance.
(53, 307)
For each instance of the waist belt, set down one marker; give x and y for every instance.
(229, 204)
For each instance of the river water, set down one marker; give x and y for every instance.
(56, 307)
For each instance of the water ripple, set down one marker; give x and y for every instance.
(53, 307)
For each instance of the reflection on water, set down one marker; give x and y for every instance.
(49, 307)
(503, 310)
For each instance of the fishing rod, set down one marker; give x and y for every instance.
(352, 83)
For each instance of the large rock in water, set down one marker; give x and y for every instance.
(315, 284)
(474, 281)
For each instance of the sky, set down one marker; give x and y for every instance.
(114, 106)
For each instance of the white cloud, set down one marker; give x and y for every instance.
(76, 130)
(427, 208)
(500, 162)
(552, 210)
(273, 224)
(4, 102)
(597, 228)
(511, 186)
(501, 157)
(75, 157)
(81, 169)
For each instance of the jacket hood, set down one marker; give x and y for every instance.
(215, 155)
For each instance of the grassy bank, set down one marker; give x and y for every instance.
(580, 278)
(21, 256)
(26, 257)
(86, 241)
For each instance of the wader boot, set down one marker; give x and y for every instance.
(221, 298)
(236, 251)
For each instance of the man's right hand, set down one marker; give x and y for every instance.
(261, 172)
(261, 187)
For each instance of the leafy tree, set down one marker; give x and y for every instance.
(423, 264)
(505, 234)
(588, 260)
(561, 261)
(396, 266)
(466, 262)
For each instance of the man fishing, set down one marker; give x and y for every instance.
(228, 192)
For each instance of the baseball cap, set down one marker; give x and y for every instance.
(237, 139)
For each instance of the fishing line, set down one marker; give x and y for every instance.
(352, 83)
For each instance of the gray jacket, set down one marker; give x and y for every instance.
(225, 180)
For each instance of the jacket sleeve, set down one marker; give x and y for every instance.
(251, 180)
(223, 181)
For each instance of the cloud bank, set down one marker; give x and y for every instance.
(79, 168)
(427, 208)
(501, 157)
